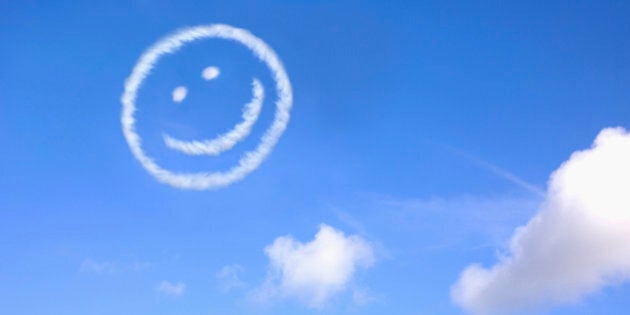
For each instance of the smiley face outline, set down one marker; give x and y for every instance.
(250, 160)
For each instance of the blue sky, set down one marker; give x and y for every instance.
(407, 119)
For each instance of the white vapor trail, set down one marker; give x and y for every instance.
(249, 160)
(498, 171)
(227, 140)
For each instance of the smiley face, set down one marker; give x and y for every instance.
(249, 161)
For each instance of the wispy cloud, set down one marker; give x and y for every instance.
(111, 267)
(315, 271)
(102, 267)
(171, 289)
(459, 221)
(362, 297)
(229, 279)
(578, 242)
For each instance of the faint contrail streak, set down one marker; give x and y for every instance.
(496, 170)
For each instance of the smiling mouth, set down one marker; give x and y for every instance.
(225, 141)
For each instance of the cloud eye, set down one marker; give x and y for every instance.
(179, 94)
(210, 73)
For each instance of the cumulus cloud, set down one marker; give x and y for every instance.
(171, 289)
(577, 243)
(315, 271)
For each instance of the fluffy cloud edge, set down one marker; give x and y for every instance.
(576, 244)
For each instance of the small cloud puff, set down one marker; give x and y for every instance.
(179, 94)
(210, 73)
(578, 242)
(315, 271)
(171, 289)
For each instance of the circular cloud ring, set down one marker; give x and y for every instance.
(249, 160)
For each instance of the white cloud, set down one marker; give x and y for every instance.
(315, 271)
(578, 242)
(210, 73)
(179, 94)
(171, 289)
(229, 279)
